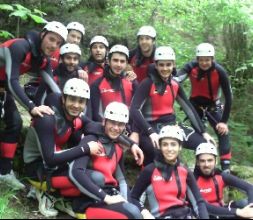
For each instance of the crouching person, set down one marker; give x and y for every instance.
(48, 150)
(167, 181)
(212, 182)
(107, 200)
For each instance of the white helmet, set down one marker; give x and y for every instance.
(99, 39)
(147, 31)
(77, 88)
(58, 28)
(164, 53)
(206, 148)
(119, 49)
(117, 111)
(205, 50)
(76, 26)
(70, 48)
(170, 131)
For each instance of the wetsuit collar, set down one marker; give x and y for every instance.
(114, 80)
(108, 144)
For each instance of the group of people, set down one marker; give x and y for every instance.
(86, 115)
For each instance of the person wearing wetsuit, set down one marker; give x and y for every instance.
(143, 55)
(112, 86)
(36, 53)
(153, 106)
(76, 32)
(107, 199)
(207, 79)
(168, 182)
(212, 183)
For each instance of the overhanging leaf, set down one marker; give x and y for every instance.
(21, 14)
(37, 11)
(38, 19)
(6, 7)
(22, 8)
(6, 34)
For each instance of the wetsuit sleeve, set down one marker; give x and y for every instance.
(234, 181)
(139, 100)
(202, 210)
(141, 185)
(15, 55)
(190, 111)
(44, 128)
(183, 73)
(96, 101)
(135, 86)
(227, 92)
(91, 127)
(220, 211)
(124, 190)
(79, 176)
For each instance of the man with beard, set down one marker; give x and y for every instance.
(212, 182)
(143, 55)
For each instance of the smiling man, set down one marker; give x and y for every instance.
(35, 52)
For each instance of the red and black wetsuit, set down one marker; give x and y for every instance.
(212, 187)
(140, 63)
(109, 89)
(94, 70)
(166, 187)
(153, 107)
(19, 56)
(205, 93)
(111, 166)
(47, 146)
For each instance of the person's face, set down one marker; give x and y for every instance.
(74, 37)
(71, 61)
(74, 106)
(98, 52)
(50, 43)
(205, 63)
(165, 68)
(146, 43)
(118, 63)
(170, 149)
(206, 163)
(113, 129)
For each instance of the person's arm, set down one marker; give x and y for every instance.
(183, 73)
(44, 128)
(79, 176)
(242, 185)
(139, 100)
(14, 56)
(96, 104)
(227, 92)
(142, 183)
(190, 111)
(202, 210)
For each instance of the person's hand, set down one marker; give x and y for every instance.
(110, 200)
(209, 138)
(130, 76)
(146, 214)
(155, 140)
(222, 128)
(83, 75)
(135, 137)
(40, 110)
(246, 212)
(95, 148)
(138, 154)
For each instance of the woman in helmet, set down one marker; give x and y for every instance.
(107, 199)
(76, 32)
(33, 54)
(143, 55)
(207, 78)
(153, 106)
(212, 182)
(112, 86)
(166, 181)
(98, 53)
